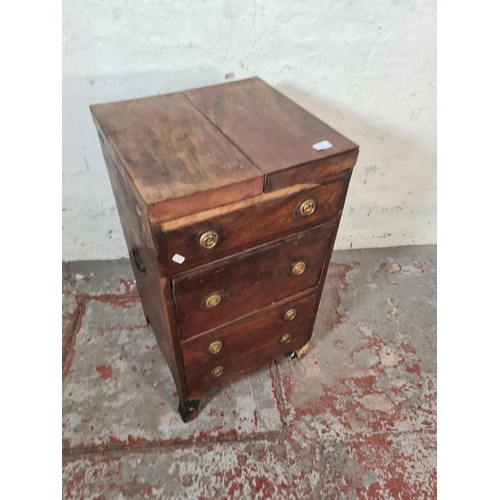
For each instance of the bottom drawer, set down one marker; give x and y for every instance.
(220, 357)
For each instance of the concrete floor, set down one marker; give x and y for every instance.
(356, 418)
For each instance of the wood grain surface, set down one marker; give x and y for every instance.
(251, 225)
(272, 130)
(139, 240)
(249, 281)
(248, 345)
(175, 156)
(324, 170)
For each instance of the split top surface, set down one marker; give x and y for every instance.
(198, 149)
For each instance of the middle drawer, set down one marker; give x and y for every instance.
(241, 285)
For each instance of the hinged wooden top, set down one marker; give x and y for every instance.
(273, 131)
(178, 161)
(202, 148)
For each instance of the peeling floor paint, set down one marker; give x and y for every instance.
(69, 314)
(117, 389)
(356, 418)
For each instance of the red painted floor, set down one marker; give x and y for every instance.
(356, 418)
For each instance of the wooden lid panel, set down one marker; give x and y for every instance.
(273, 131)
(171, 151)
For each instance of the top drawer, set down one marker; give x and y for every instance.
(243, 225)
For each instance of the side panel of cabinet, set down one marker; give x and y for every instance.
(143, 257)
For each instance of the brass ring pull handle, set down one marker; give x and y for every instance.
(285, 339)
(217, 371)
(299, 267)
(215, 347)
(307, 207)
(290, 314)
(208, 239)
(213, 300)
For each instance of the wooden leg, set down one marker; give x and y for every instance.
(300, 353)
(188, 409)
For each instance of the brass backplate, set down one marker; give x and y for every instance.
(307, 207)
(209, 239)
(299, 267)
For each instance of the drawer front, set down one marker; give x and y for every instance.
(240, 286)
(252, 224)
(218, 358)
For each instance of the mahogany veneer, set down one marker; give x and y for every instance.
(230, 217)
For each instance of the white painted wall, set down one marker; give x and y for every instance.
(366, 67)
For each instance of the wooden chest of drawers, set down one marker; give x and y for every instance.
(230, 217)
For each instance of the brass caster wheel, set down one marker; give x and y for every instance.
(300, 353)
(188, 410)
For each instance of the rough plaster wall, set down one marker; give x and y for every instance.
(366, 67)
